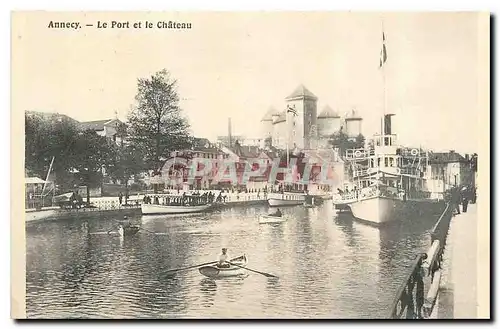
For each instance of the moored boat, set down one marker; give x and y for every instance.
(285, 199)
(389, 180)
(155, 209)
(215, 272)
(270, 219)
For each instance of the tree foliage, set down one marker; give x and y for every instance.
(128, 162)
(93, 154)
(156, 124)
(341, 141)
(79, 156)
(46, 138)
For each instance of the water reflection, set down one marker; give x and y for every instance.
(328, 266)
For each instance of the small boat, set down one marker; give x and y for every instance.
(268, 219)
(214, 272)
(155, 209)
(131, 230)
(308, 205)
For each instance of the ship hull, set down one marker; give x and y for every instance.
(382, 210)
(151, 209)
(285, 199)
(34, 216)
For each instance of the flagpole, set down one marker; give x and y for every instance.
(287, 139)
(383, 79)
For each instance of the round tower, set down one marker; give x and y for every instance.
(353, 124)
(328, 122)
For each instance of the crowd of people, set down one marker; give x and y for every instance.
(462, 196)
(194, 199)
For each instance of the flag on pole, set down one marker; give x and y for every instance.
(291, 110)
(383, 52)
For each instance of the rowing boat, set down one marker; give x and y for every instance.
(131, 230)
(215, 272)
(269, 219)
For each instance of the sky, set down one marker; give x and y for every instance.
(239, 64)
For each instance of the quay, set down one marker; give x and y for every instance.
(442, 284)
(110, 206)
(458, 288)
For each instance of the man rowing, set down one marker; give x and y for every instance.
(223, 259)
(277, 213)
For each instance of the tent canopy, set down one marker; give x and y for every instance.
(33, 180)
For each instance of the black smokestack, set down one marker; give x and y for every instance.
(387, 124)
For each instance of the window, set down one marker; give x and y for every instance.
(391, 162)
(386, 162)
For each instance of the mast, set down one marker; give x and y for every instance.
(383, 59)
(47, 178)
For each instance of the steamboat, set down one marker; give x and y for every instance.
(389, 181)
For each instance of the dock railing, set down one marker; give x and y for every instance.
(424, 276)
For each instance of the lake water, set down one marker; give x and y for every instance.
(328, 266)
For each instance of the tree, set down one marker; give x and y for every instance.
(127, 163)
(46, 138)
(93, 154)
(341, 141)
(360, 141)
(156, 124)
(268, 142)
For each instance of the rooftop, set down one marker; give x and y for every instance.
(301, 92)
(328, 112)
(446, 157)
(281, 117)
(353, 115)
(269, 114)
(97, 124)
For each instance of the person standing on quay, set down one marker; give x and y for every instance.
(455, 199)
(465, 199)
(120, 198)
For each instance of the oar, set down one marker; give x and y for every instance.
(156, 233)
(246, 268)
(189, 267)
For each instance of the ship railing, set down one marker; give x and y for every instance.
(417, 295)
(358, 154)
(360, 172)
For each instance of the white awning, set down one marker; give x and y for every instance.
(33, 180)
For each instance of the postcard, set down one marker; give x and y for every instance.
(250, 165)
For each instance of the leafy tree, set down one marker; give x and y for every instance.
(341, 141)
(360, 141)
(128, 162)
(268, 142)
(46, 138)
(156, 124)
(93, 154)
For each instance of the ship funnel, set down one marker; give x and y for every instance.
(388, 124)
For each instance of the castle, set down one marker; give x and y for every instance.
(299, 125)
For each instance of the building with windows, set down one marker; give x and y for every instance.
(452, 168)
(299, 125)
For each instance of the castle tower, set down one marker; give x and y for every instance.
(328, 122)
(353, 124)
(302, 126)
(267, 123)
